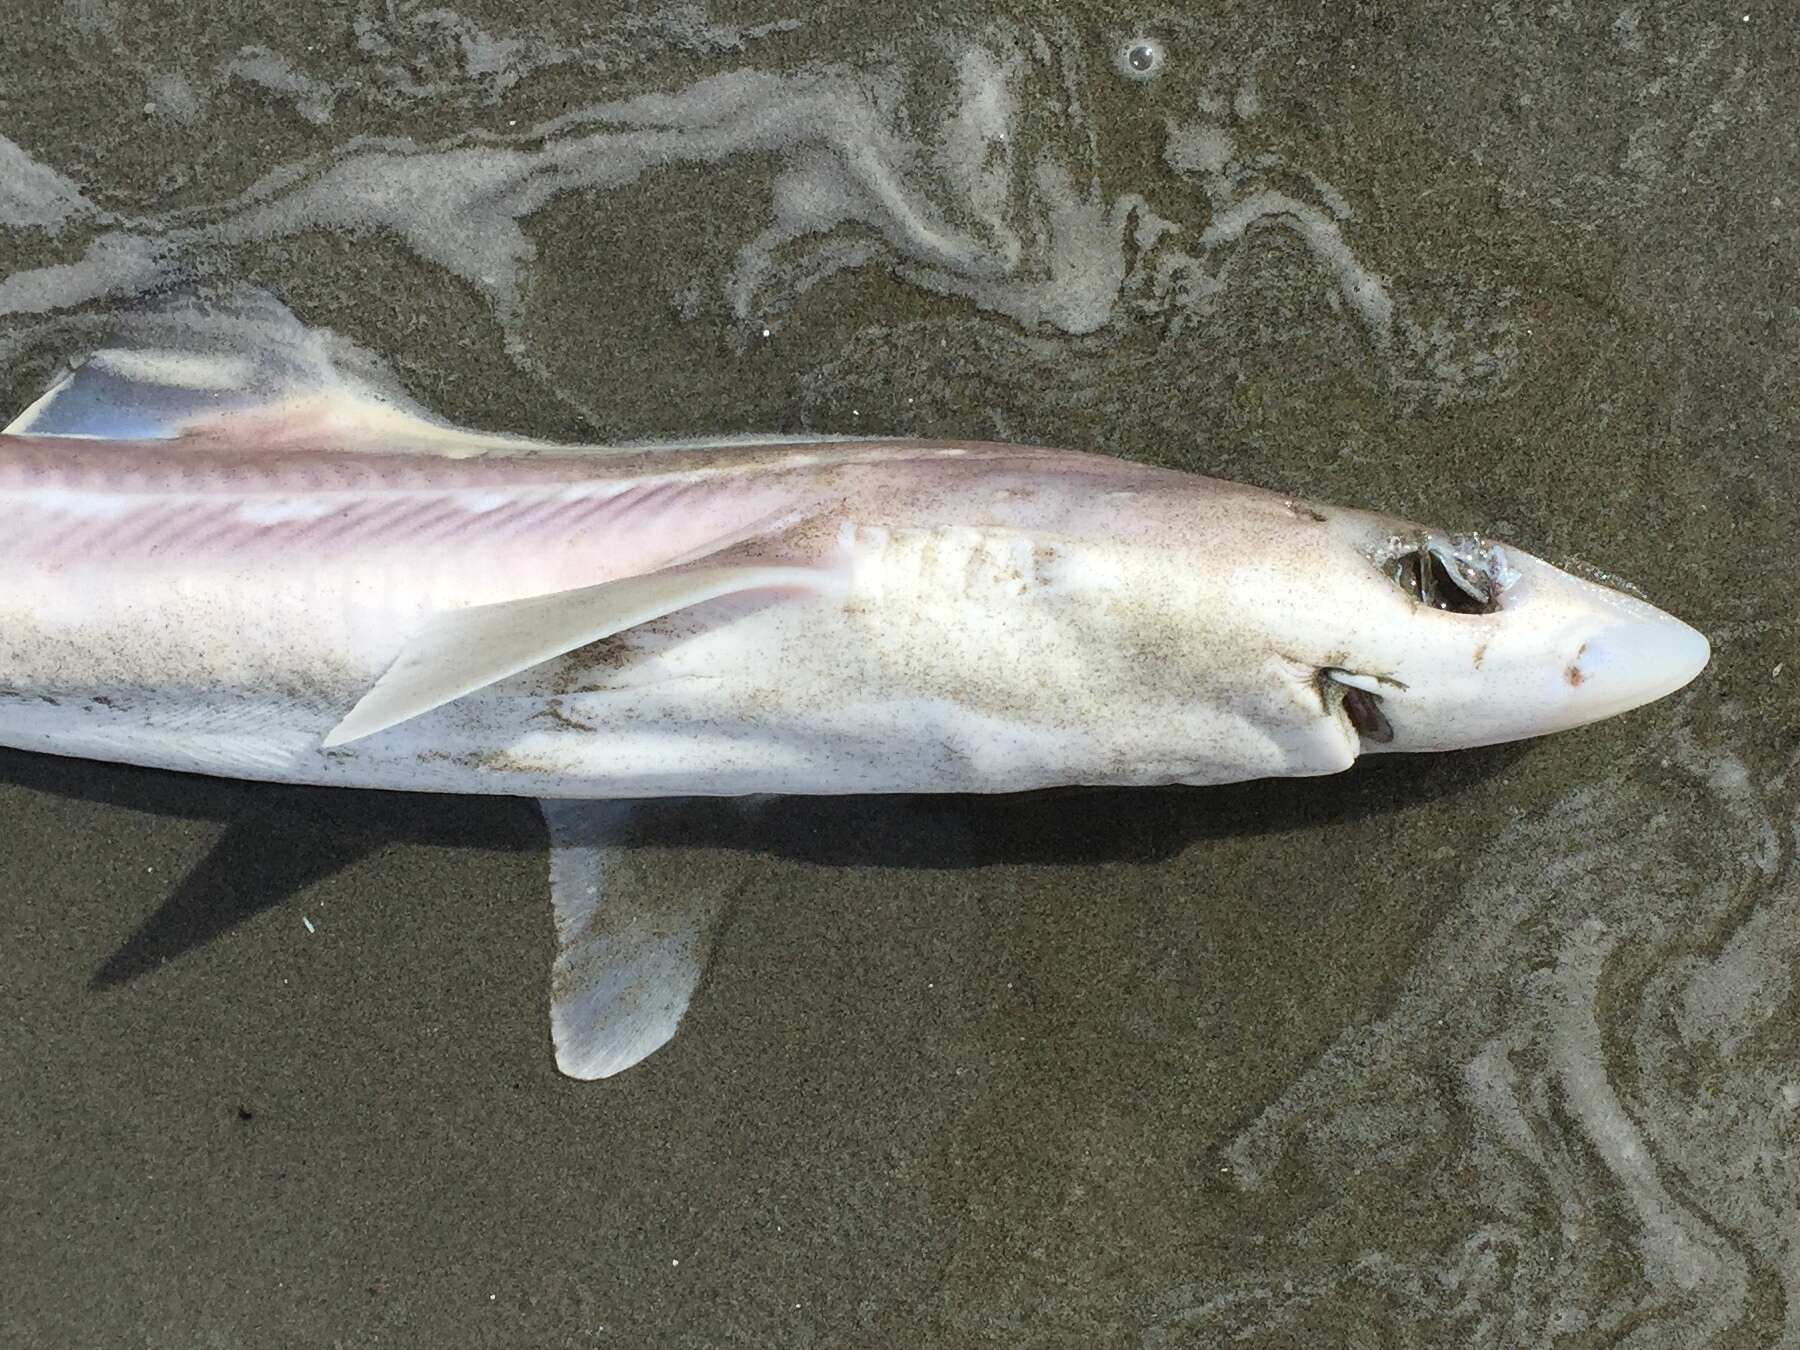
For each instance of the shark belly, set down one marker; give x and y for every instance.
(955, 659)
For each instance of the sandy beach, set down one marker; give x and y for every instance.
(1496, 1048)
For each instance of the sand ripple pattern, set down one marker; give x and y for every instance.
(1589, 1080)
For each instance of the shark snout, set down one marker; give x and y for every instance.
(1642, 656)
(1547, 652)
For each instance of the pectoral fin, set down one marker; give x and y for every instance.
(468, 649)
(626, 963)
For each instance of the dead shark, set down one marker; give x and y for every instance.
(236, 550)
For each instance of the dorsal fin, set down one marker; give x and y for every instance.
(198, 365)
(203, 366)
(121, 393)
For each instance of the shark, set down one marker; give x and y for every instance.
(236, 547)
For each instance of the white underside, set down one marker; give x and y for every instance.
(740, 696)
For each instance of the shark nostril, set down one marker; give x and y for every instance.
(1575, 675)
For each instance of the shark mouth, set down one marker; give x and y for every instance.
(1358, 698)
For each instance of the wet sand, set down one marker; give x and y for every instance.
(1488, 1049)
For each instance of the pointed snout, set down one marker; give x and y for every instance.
(1606, 652)
(1636, 660)
(1558, 652)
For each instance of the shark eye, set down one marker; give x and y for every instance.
(1447, 583)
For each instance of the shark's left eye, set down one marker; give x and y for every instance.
(1447, 583)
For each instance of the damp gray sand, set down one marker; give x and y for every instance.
(1493, 1049)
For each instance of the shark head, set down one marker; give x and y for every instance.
(1424, 640)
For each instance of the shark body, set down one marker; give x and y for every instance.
(259, 565)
